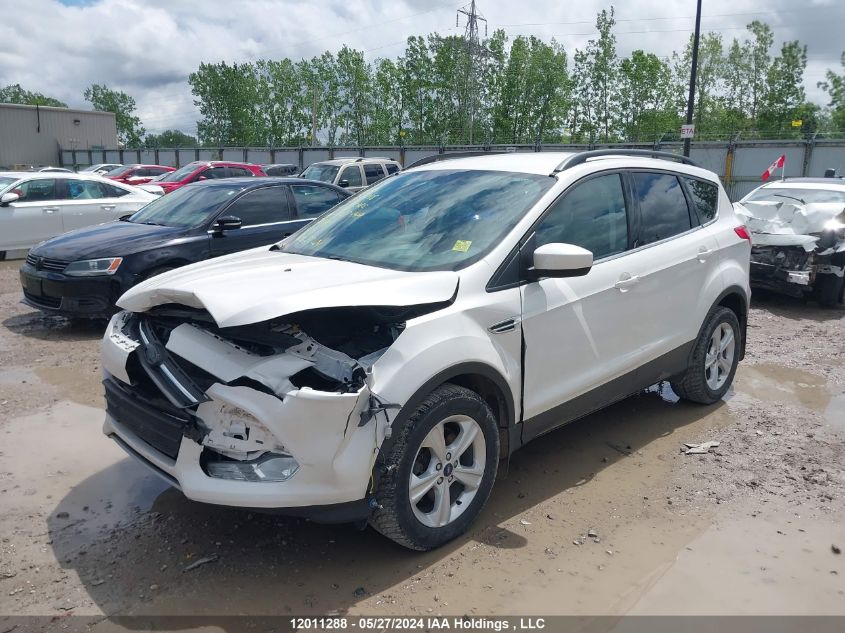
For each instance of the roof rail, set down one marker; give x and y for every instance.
(582, 157)
(436, 158)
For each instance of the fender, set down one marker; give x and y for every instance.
(742, 316)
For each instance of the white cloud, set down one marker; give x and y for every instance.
(148, 47)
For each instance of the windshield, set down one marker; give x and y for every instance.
(795, 194)
(117, 171)
(181, 173)
(319, 171)
(420, 221)
(186, 207)
(5, 181)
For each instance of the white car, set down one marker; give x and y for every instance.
(37, 206)
(352, 173)
(379, 363)
(99, 168)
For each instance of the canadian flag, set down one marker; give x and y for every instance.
(778, 164)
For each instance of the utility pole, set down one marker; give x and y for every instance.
(314, 119)
(474, 54)
(693, 75)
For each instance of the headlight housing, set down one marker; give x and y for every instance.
(89, 267)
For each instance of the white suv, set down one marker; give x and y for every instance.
(352, 173)
(381, 362)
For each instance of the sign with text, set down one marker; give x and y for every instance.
(687, 130)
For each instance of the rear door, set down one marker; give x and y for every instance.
(676, 257)
(33, 218)
(88, 202)
(265, 218)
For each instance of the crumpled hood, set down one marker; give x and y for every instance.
(788, 223)
(261, 284)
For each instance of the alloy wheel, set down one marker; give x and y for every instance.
(720, 356)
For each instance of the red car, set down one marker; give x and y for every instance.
(206, 170)
(137, 174)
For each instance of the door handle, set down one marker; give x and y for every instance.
(50, 209)
(703, 253)
(626, 280)
(107, 207)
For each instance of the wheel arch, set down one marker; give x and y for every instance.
(484, 380)
(735, 299)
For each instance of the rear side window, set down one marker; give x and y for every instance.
(267, 205)
(214, 173)
(392, 168)
(705, 198)
(663, 207)
(85, 190)
(374, 173)
(312, 200)
(352, 175)
(237, 172)
(591, 215)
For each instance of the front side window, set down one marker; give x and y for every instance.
(435, 219)
(267, 205)
(312, 200)
(40, 190)
(187, 207)
(214, 173)
(373, 173)
(663, 207)
(591, 215)
(352, 176)
(705, 198)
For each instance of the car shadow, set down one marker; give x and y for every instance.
(140, 563)
(47, 327)
(793, 308)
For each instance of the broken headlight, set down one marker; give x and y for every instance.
(271, 467)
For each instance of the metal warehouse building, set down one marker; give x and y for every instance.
(33, 135)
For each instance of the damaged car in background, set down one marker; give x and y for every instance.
(378, 365)
(797, 230)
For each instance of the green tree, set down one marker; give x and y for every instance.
(834, 86)
(647, 107)
(129, 128)
(228, 100)
(353, 77)
(170, 138)
(784, 91)
(13, 93)
(283, 105)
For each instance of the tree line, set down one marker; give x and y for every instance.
(446, 91)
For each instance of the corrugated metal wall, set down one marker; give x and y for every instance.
(738, 164)
(31, 135)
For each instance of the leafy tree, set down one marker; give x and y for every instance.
(647, 107)
(129, 128)
(228, 99)
(834, 86)
(170, 138)
(784, 90)
(13, 93)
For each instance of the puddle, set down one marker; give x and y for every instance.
(773, 383)
(76, 383)
(835, 412)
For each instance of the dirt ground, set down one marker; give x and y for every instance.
(753, 528)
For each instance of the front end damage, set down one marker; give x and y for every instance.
(279, 414)
(795, 247)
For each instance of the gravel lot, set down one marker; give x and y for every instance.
(748, 529)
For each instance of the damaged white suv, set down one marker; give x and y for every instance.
(380, 363)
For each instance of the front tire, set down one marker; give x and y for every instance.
(444, 463)
(714, 359)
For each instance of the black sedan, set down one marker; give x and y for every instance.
(83, 273)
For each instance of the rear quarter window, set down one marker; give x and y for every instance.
(704, 196)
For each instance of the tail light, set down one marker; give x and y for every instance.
(742, 232)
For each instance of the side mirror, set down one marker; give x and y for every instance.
(561, 260)
(9, 198)
(226, 223)
(343, 183)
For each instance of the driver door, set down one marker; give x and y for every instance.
(265, 218)
(581, 332)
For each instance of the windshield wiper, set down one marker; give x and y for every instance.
(783, 195)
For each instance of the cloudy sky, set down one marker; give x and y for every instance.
(148, 47)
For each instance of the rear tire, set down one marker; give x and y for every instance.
(714, 359)
(441, 469)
